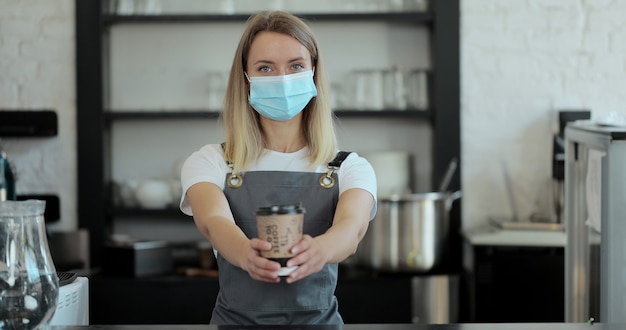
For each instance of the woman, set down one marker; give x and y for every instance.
(279, 142)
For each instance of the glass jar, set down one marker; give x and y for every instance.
(29, 285)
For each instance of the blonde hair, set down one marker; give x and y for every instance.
(245, 142)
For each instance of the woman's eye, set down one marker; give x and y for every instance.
(297, 67)
(265, 68)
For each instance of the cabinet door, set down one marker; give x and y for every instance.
(152, 301)
(517, 284)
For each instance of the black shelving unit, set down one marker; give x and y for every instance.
(93, 118)
(403, 17)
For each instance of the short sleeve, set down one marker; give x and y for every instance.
(204, 165)
(357, 172)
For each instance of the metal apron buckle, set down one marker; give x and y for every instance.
(326, 180)
(235, 180)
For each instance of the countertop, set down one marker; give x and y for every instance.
(464, 326)
(492, 235)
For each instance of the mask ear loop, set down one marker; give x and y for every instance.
(247, 83)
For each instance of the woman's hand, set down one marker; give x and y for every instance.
(259, 267)
(310, 257)
(215, 221)
(339, 242)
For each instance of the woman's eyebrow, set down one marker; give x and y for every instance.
(297, 59)
(263, 62)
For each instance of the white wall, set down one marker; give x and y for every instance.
(521, 62)
(37, 69)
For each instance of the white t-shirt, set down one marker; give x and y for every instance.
(208, 165)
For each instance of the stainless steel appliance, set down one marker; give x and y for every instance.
(595, 218)
(558, 159)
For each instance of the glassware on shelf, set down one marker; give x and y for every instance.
(124, 7)
(135, 7)
(367, 89)
(29, 285)
(394, 90)
(415, 5)
(386, 89)
(217, 84)
(417, 89)
(198, 7)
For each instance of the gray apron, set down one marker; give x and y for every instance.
(245, 301)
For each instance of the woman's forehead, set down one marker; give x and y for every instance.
(276, 46)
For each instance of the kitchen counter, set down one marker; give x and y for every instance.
(469, 326)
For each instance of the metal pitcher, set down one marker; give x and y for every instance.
(29, 285)
(409, 233)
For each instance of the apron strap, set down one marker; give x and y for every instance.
(326, 180)
(341, 156)
(235, 180)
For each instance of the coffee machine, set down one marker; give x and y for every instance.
(558, 158)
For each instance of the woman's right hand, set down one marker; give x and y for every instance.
(215, 221)
(259, 267)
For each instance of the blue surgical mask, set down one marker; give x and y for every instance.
(281, 97)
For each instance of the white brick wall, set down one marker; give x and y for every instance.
(521, 62)
(37, 72)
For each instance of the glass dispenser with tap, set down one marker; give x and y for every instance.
(7, 177)
(29, 284)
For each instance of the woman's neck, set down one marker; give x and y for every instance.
(284, 137)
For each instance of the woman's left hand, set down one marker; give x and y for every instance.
(310, 257)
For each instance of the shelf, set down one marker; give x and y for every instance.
(141, 115)
(28, 123)
(129, 115)
(403, 17)
(409, 113)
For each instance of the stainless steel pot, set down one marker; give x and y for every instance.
(409, 234)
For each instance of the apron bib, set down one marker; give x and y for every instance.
(245, 301)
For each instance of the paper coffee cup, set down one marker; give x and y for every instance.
(281, 225)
